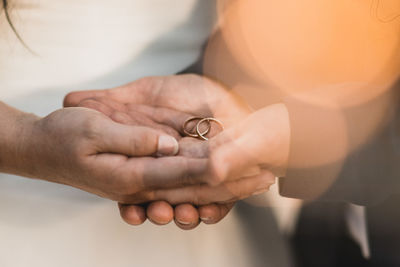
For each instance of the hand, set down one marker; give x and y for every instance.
(207, 98)
(159, 212)
(83, 148)
(186, 216)
(251, 140)
(190, 94)
(180, 89)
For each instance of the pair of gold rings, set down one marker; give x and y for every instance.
(196, 131)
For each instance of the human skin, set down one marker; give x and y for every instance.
(186, 215)
(244, 147)
(85, 149)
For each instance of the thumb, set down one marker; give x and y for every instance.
(73, 99)
(233, 156)
(135, 141)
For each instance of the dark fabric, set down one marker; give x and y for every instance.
(372, 174)
(367, 176)
(321, 238)
(384, 232)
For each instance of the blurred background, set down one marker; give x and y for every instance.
(334, 63)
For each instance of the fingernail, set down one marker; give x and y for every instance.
(205, 219)
(183, 223)
(167, 146)
(158, 223)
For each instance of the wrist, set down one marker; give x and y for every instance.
(15, 138)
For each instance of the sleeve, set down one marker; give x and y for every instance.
(349, 154)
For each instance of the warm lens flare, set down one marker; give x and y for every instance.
(334, 63)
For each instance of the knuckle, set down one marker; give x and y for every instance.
(143, 142)
(217, 176)
(214, 180)
(91, 127)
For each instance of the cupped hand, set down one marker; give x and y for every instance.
(85, 149)
(250, 142)
(191, 94)
(159, 212)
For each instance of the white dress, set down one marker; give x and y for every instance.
(93, 44)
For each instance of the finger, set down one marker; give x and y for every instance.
(123, 118)
(157, 91)
(155, 173)
(134, 141)
(230, 158)
(73, 99)
(140, 91)
(132, 214)
(111, 112)
(186, 216)
(135, 179)
(111, 103)
(224, 193)
(193, 147)
(160, 212)
(165, 116)
(119, 112)
(139, 120)
(143, 119)
(214, 213)
(96, 105)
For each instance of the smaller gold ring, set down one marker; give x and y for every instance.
(201, 135)
(194, 134)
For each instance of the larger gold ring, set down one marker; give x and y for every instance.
(196, 134)
(209, 120)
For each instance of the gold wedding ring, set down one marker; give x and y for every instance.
(198, 133)
(208, 120)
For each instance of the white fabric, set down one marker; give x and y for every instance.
(91, 44)
(286, 210)
(357, 225)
